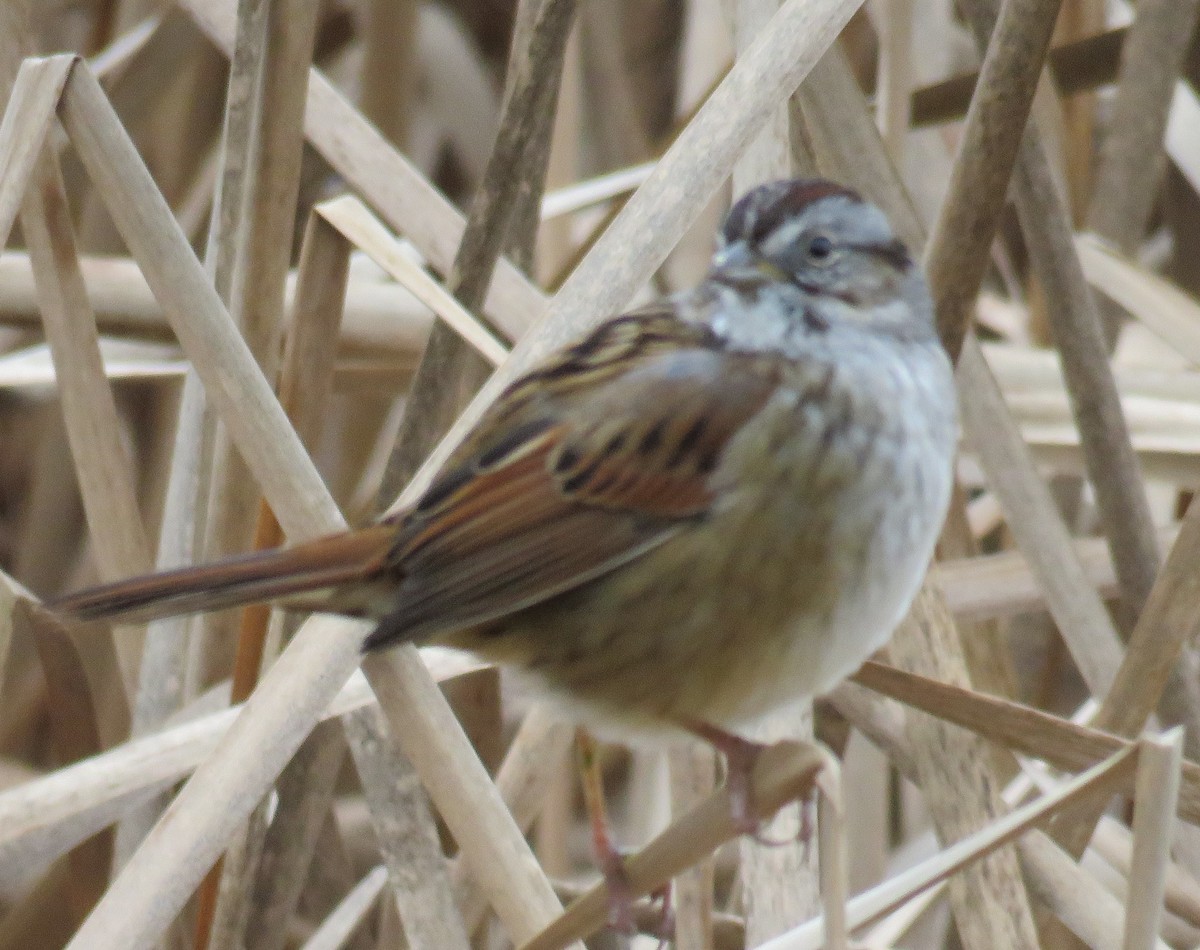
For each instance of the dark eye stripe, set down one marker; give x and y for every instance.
(894, 252)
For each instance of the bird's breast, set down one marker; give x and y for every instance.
(830, 500)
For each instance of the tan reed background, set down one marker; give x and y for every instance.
(265, 261)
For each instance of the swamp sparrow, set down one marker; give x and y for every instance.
(710, 506)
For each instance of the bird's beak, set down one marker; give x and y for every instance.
(739, 258)
(736, 256)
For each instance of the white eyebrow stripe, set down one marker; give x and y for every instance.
(783, 237)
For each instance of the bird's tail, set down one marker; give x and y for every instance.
(332, 573)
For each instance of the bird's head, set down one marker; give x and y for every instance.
(827, 241)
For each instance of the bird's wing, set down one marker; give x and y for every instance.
(580, 466)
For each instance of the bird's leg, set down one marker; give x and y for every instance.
(608, 857)
(804, 835)
(740, 758)
(741, 755)
(665, 929)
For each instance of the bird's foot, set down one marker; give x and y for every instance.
(620, 891)
(664, 925)
(610, 858)
(741, 755)
(622, 902)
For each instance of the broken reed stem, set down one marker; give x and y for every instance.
(28, 116)
(68, 321)
(1159, 761)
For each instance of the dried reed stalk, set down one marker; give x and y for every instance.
(1021, 426)
(337, 927)
(1075, 321)
(448, 373)
(306, 793)
(784, 772)
(1074, 896)
(1159, 762)
(780, 883)
(1096, 784)
(965, 799)
(93, 427)
(407, 836)
(337, 652)
(1015, 41)
(397, 191)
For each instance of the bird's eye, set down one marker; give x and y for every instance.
(820, 248)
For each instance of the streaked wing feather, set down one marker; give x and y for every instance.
(530, 567)
(582, 466)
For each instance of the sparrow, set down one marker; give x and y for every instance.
(708, 507)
